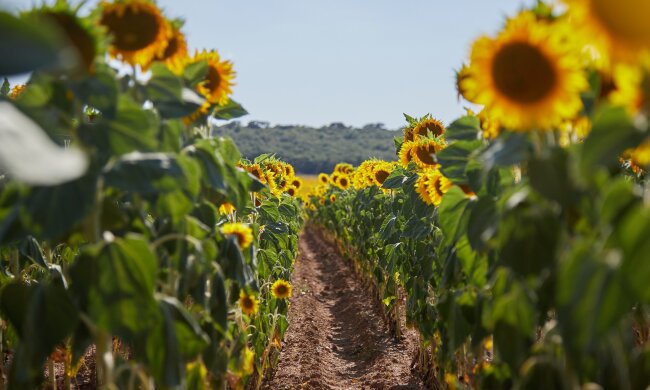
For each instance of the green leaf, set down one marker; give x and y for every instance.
(529, 233)
(395, 179)
(168, 95)
(482, 224)
(28, 155)
(465, 128)
(51, 212)
(230, 110)
(508, 149)
(31, 249)
(6, 88)
(145, 173)
(454, 159)
(99, 91)
(26, 46)
(43, 315)
(612, 133)
(195, 73)
(115, 281)
(550, 176)
(452, 215)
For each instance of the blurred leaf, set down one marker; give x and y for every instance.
(550, 176)
(454, 158)
(29, 156)
(452, 215)
(612, 133)
(37, 45)
(508, 149)
(230, 110)
(145, 173)
(465, 128)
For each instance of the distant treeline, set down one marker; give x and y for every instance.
(312, 150)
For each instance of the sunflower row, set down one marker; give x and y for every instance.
(519, 233)
(162, 262)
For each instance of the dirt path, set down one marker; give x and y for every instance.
(337, 338)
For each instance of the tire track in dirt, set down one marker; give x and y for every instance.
(337, 338)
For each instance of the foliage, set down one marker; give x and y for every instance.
(125, 247)
(532, 271)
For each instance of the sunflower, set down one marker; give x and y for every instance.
(406, 153)
(226, 208)
(343, 182)
(529, 76)
(431, 186)
(426, 126)
(176, 51)
(422, 188)
(17, 90)
(248, 303)
(288, 170)
(343, 168)
(292, 191)
(461, 75)
(381, 171)
(626, 88)
(296, 183)
(333, 198)
(138, 29)
(424, 152)
(491, 128)
(639, 157)
(256, 171)
(408, 133)
(618, 29)
(243, 233)
(323, 178)
(438, 185)
(218, 82)
(281, 289)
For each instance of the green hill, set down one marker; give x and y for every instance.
(312, 150)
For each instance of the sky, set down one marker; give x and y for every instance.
(314, 62)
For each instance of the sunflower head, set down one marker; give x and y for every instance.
(426, 127)
(343, 168)
(323, 178)
(138, 29)
(406, 153)
(343, 182)
(380, 171)
(176, 52)
(617, 29)
(296, 183)
(292, 191)
(639, 157)
(248, 304)
(332, 198)
(281, 289)
(424, 152)
(422, 188)
(256, 171)
(242, 232)
(226, 208)
(529, 76)
(218, 82)
(17, 90)
(288, 170)
(431, 186)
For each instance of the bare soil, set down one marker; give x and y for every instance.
(337, 338)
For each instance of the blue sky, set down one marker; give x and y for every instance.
(315, 62)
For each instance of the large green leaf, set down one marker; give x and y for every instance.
(613, 132)
(145, 173)
(452, 215)
(115, 282)
(454, 159)
(466, 128)
(26, 46)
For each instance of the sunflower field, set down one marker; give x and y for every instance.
(519, 234)
(131, 240)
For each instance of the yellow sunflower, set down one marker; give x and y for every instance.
(426, 126)
(422, 188)
(424, 152)
(176, 53)
(297, 183)
(408, 133)
(256, 171)
(461, 75)
(618, 29)
(381, 171)
(438, 185)
(248, 303)
(490, 127)
(626, 89)
(138, 29)
(333, 198)
(17, 90)
(343, 168)
(406, 153)
(323, 178)
(288, 170)
(639, 157)
(218, 82)
(528, 77)
(292, 191)
(281, 289)
(226, 208)
(343, 182)
(243, 233)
